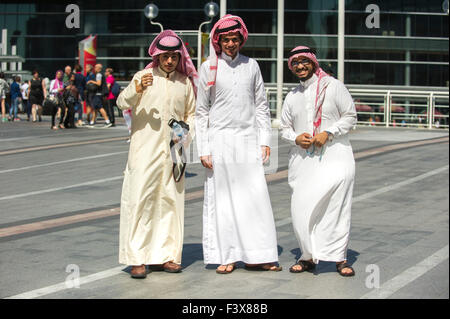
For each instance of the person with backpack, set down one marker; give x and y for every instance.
(97, 100)
(111, 97)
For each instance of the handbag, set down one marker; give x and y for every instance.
(50, 102)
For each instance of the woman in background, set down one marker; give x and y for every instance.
(37, 92)
(56, 91)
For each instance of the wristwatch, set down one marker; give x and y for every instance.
(330, 136)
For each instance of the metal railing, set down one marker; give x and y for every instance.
(390, 108)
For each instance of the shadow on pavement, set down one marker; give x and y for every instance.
(191, 253)
(327, 266)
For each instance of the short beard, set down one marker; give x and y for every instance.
(306, 78)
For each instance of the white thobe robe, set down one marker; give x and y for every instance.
(322, 184)
(238, 222)
(152, 204)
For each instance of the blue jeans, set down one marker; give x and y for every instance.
(15, 107)
(27, 106)
(79, 110)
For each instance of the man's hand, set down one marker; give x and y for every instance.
(265, 153)
(206, 161)
(146, 80)
(304, 140)
(320, 139)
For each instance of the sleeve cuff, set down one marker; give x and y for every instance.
(265, 137)
(333, 130)
(204, 149)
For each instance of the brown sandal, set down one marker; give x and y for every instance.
(340, 267)
(139, 272)
(171, 267)
(167, 267)
(305, 264)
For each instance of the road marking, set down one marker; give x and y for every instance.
(56, 222)
(409, 275)
(396, 147)
(49, 190)
(382, 190)
(62, 286)
(61, 162)
(47, 147)
(400, 184)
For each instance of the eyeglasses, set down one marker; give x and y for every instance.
(226, 40)
(303, 62)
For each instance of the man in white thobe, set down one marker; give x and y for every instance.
(316, 118)
(152, 203)
(233, 138)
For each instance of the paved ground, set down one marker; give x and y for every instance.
(399, 237)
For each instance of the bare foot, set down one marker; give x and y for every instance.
(225, 269)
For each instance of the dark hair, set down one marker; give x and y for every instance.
(17, 78)
(240, 36)
(2, 75)
(34, 72)
(110, 70)
(77, 68)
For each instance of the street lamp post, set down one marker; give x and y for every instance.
(151, 12)
(211, 10)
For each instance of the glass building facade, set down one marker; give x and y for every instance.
(409, 48)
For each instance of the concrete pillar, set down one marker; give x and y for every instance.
(341, 40)
(3, 48)
(12, 65)
(223, 8)
(273, 51)
(408, 58)
(280, 55)
(408, 52)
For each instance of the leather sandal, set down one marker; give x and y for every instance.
(171, 267)
(139, 272)
(305, 264)
(340, 267)
(167, 266)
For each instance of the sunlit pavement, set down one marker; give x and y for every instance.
(60, 193)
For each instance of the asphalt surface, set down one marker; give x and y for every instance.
(51, 181)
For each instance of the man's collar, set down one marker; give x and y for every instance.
(165, 74)
(308, 82)
(228, 58)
